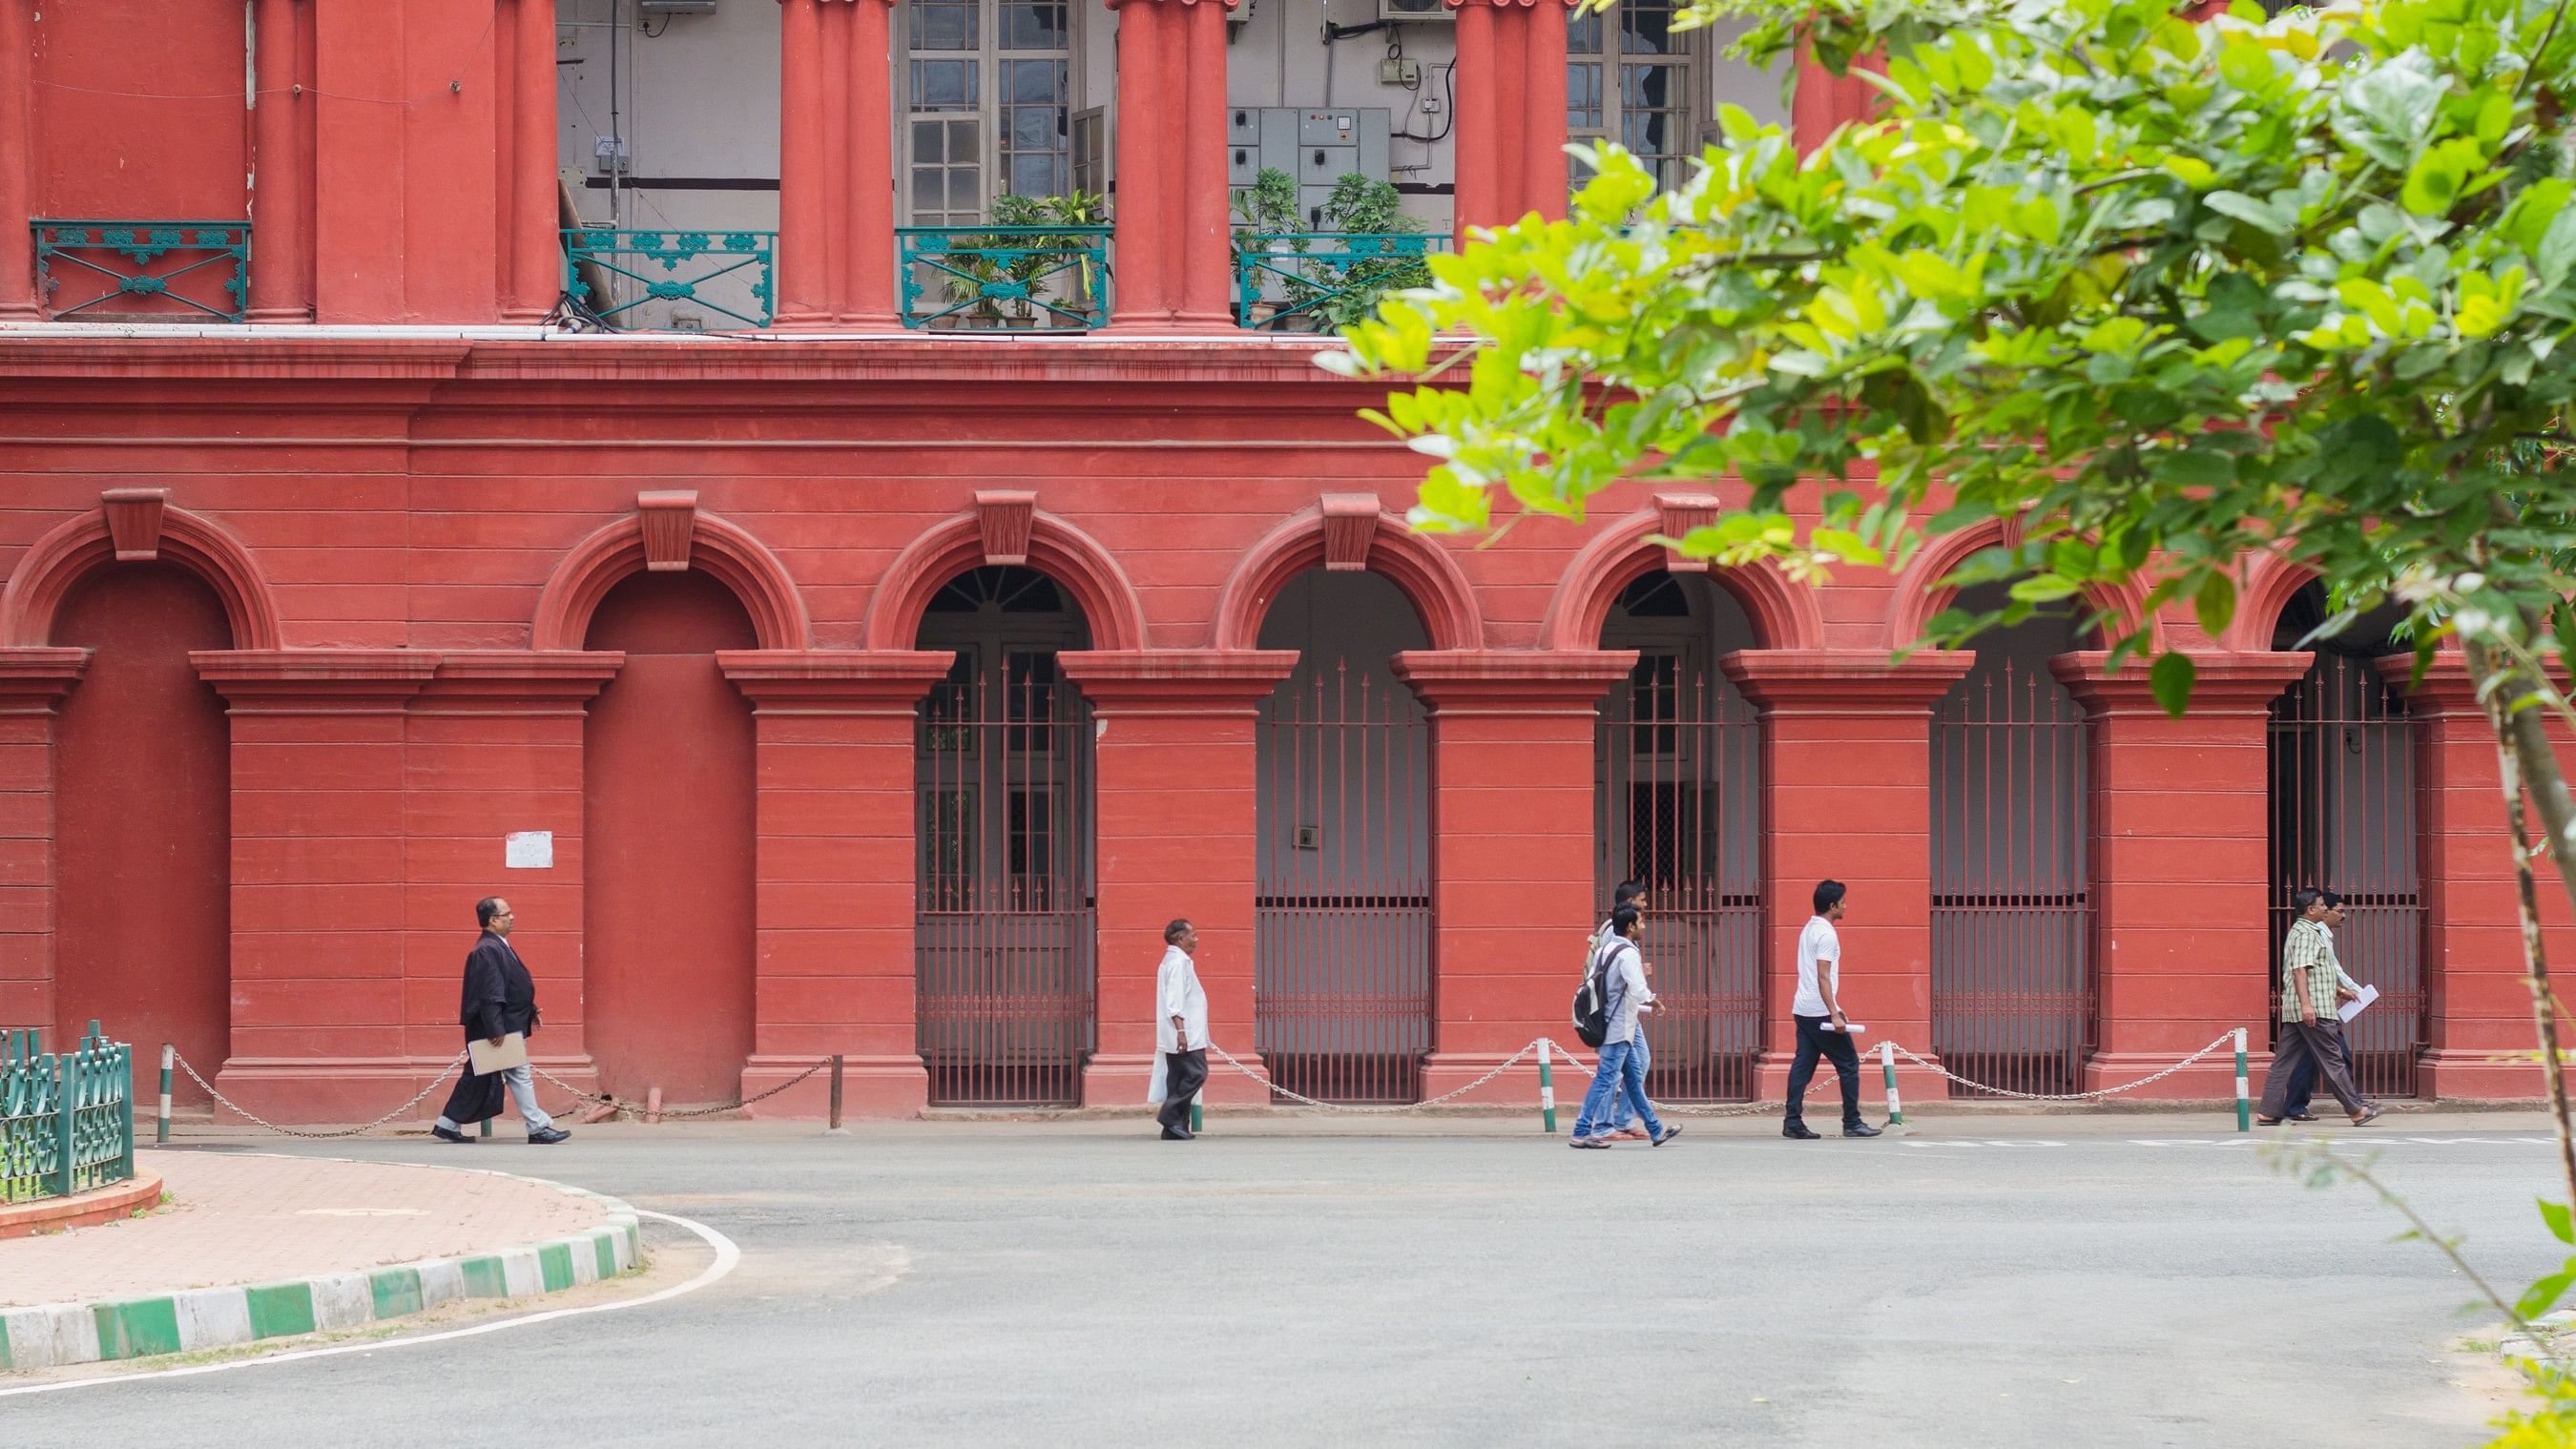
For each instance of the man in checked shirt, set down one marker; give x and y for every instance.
(2309, 977)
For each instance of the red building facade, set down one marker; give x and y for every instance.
(838, 689)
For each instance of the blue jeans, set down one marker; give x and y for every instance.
(1622, 1072)
(1620, 1113)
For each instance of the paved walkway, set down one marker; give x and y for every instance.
(239, 1218)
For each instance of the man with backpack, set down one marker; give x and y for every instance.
(1617, 994)
(1623, 1120)
(1818, 1010)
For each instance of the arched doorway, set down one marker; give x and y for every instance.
(2013, 988)
(143, 819)
(1678, 807)
(668, 842)
(1005, 930)
(2342, 806)
(1342, 905)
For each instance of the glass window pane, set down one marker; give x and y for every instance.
(1033, 26)
(1646, 29)
(937, 25)
(925, 140)
(1583, 33)
(926, 194)
(943, 85)
(1033, 80)
(1038, 175)
(1033, 128)
(966, 190)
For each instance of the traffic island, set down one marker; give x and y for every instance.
(251, 1248)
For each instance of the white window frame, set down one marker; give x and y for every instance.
(986, 56)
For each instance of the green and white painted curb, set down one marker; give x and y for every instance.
(54, 1335)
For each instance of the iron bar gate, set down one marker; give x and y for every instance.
(2342, 760)
(1005, 927)
(2013, 988)
(1342, 917)
(1679, 810)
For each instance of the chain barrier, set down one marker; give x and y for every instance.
(2094, 1095)
(239, 1110)
(1507, 1065)
(715, 1111)
(1671, 1109)
(327, 1134)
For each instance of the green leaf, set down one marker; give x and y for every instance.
(2171, 679)
(2253, 212)
(2045, 589)
(2540, 1297)
(2557, 248)
(2215, 602)
(2561, 1225)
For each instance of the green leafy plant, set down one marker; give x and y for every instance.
(1364, 261)
(1030, 263)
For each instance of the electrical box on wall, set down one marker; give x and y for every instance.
(1316, 146)
(675, 7)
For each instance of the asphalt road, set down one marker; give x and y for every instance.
(2108, 1282)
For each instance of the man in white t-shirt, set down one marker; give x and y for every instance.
(1818, 1010)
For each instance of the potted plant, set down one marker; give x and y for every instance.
(1380, 254)
(1271, 228)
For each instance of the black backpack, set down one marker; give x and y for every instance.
(1592, 999)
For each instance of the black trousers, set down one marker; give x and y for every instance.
(476, 1098)
(1833, 1046)
(1183, 1074)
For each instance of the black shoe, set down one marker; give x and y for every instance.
(548, 1137)
(445, 1134)
(1179, 1134)
(1860, 1129)
(1798, 1131)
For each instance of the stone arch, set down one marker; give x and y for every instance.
(1070, 557)
(137, 525)
(1784, 615)
(2271, 582)
(724, 550)
(1376, 541)
(1920, 594)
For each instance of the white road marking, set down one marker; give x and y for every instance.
(728, 1257)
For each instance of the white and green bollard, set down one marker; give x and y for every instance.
(1887, 1064)
(1546, 1087)
(161, 1129)
(2244, 1107)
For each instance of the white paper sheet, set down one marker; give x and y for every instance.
(2352, 1008)
(1855, 1028)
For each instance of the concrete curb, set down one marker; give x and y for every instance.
(56, 1335)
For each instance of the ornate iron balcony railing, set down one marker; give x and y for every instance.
(158, 268)
(1008, 278)
(726, 272)
(1298, 281)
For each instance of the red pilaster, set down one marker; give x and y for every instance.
(1511, 111)
(1150, 148)
(17, 165)
(318, 909)
(868, 278)
(32, 685)
(2182, 948)
(535, 243)
(1847, 776)
(835, 873)
(2479, 1012)
(1205, 248)
(1511, 848)
(281, 256)
(804, 246)
(1174, 789)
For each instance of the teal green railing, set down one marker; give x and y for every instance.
(726, 272)
(1013, 278)
(198, 267)
(66, 1118)
(1296, 281)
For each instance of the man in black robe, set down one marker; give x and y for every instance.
(500, 998)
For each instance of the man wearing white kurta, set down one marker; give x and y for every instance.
(1180, 1032)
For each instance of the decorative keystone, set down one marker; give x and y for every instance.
(134, 521)
(1683, 512)
(1004, 520)
(670, 524)
(1350, 527)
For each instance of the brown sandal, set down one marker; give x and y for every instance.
(2267, 1121)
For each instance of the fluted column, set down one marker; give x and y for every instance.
(804, 247)
(17, 164)
(535, 246)
(868, 269)
(1147, 143)
(1205, 251)
(1511, 111)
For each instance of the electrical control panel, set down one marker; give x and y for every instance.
(1316, 145)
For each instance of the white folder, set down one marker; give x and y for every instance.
(2352, 1008)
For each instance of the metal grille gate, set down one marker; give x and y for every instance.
(1004, 932)
(1342, 917)
(2013, 987)
(1679, 810)
(2342, 758)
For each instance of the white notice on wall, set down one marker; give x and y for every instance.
(528, 850)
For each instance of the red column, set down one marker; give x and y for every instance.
(1823, 101)
(17, 165)
(1477, 198)
(1847, 787)
(535, 245)
(835, 874)
(1543, 159)
(281, 254)
(1174, 791)
(868, 285)
(32, 685)
(1511, 112)
(1205, 246)
(1149, 152)
(2479, 1014)
(804, 247)
(1511, 849)
(2181, 866)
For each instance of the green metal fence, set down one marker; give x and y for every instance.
(1318, 281)
(66, 1118)
(1006, 278)
(146, 269)
(727, 273)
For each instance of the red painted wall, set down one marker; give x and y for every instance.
(143, 830)
(667, 812)
(140, 110)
